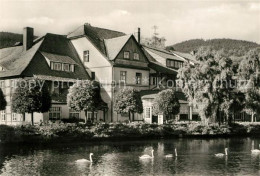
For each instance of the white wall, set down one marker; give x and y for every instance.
(97, 61)
(130, 76)
(99, 64)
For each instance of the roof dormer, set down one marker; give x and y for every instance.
(59, 62)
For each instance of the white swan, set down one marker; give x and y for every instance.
(171, 155)
(222, 154)
(85, 160)
(256, 151)
(147, 156)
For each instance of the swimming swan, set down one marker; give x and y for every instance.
(147, 156)
(222, 154)
(85, 160)
(256, 151)
(171, 155)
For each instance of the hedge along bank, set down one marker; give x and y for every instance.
(53, 132)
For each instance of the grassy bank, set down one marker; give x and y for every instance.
(67, 132)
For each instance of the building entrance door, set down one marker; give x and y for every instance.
(154, 119)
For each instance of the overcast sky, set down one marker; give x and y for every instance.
(177, 20)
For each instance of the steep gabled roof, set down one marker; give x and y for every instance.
(114, 45)
(15, 60)
(58, 58)
(19, 63)
(96, 35)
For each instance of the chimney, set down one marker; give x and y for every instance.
(27, 38)
(139, 35)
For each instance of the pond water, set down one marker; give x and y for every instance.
(195, 157)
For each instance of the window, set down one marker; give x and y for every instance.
(154, 81)
(56, 66)
(62, 67)
(66, 67)
(14, 85)
(176, 64)
(195, 117)
(2, 115)
(14, 117)
(168, 63)
(86, 56)
(148, 113)
(126, 55)
(74, 114)
(89, 116)
(184, 117)
(123, 76)
(54, 113)
(72, 67)
(93, 76)
(173, 63)
(2, 68)
(2, 84)
(138, 78)
(136, 56)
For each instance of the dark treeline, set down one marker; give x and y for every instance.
(8, 39)
(217, 44)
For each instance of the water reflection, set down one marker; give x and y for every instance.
(195, 157)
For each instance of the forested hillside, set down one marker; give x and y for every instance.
(8, 39)
(217, 44)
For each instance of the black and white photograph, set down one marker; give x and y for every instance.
(129, 87)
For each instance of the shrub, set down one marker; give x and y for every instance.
(31, 96)
(128, 100)
(166, 102)
(3, 102)
(6, 133)
(72, 120)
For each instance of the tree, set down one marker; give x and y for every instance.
(249, 73)
(2, 100)
(209, 84)
(166, 102)
(85, 96)
(31, 96)
(128, 100)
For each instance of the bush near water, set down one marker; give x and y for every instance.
(72, 131)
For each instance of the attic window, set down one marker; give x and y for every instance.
(2, 69)
(66, 67)
(62, 66)
(174, 64)
(86, 56)
(57, 66)
(136, 56)
(126, 55)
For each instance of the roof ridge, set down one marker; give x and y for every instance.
(161, 50)
(74, 30)
(52, 53)
(109, 29)
(127, 35)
